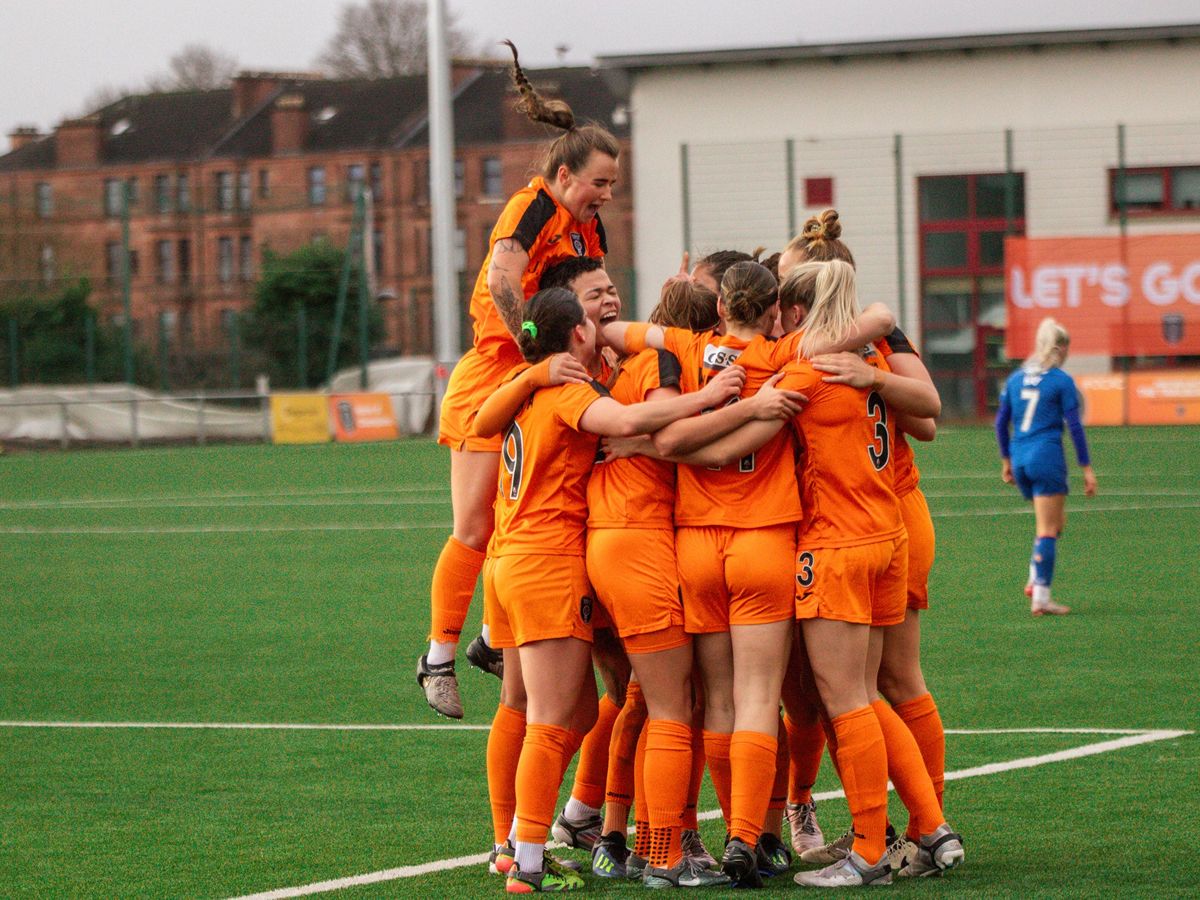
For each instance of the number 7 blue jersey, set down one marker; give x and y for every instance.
(1038, 402)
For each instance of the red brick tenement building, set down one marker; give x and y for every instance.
(218, 177)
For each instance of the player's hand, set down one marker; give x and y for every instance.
(1006, 474)
(772, 403)
(625, 447)
(724, 386)
(683, 274)
(566, 369)
(1089, 482)
(845, 368)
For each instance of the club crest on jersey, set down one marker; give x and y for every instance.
(585, 609)
(1172, 328)
(578, 244)
(717, 357)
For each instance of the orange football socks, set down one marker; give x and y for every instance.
(503, 754)
(806, 744)
(863, 767)
(667, 774)
(907, 770)
(752, 772)
(453, 586)
(922, 718)
(716, 750)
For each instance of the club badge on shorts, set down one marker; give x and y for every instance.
(585, 609)
(578, 244)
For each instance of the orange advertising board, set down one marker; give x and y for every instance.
(1103, 398)
(363, 417)
(1164, 398)
(1132, 296)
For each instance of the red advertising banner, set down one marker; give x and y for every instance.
(363, 417)
(1136, 296)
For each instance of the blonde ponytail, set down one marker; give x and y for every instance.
(834, 307)
(1050, 346)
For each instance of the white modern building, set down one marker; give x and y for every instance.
(933, 150)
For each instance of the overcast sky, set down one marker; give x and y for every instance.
(54, 53)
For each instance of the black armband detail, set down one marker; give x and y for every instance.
(669, 370)
(898, 342)
(602, 235)
(537, 214)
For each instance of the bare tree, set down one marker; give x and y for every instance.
(382, 38)
(196, 67)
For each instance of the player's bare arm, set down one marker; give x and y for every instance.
(509, 262)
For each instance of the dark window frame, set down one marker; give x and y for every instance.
(1168, 175)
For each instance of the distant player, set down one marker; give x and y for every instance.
(1037, 399)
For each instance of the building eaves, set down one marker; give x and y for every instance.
(946, 44)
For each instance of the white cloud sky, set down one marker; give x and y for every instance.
(54, 53)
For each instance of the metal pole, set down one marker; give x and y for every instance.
(687, 203)
(134, 439)
(301, 345)
(163, 341)
(901, 265)
(1010, 183)
(126, 285)
(1122, 211)
(443, 211)
(200, 419)
(339, 309)
(64, 440)
(235, 353)
(366, 287)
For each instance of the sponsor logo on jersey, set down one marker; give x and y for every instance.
(717, 357)
(585, 609)
(578, 244)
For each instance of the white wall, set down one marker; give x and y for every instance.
(951, 110)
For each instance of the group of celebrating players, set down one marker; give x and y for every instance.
(713, 560)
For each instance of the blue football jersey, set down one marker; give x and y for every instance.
(1039, 401)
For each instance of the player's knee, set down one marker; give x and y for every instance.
(474, 531)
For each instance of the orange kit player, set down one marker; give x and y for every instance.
(536, 590)
(735, 540)
(555, 216)
(851, 574)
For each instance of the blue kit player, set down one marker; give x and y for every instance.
(1037, 399)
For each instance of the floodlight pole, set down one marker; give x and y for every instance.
(441, 200)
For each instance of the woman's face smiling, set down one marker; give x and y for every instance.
(585, 191)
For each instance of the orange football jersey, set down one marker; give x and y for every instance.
(545, 463)
(908, 476)
(846, 471)
(549, 235)
(638, 492)
(759, 489)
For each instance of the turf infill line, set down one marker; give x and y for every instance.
(1028, 762)
(250, 726)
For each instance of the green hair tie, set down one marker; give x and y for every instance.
(530, 329)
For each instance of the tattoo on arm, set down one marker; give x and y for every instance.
(508, 302)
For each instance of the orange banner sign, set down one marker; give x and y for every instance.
(1164, 398)
(363, 417)
(1103, 399)
(1137, 296)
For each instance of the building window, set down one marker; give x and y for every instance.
(245, 257)
(44, 199)
(493, 177)
(818, 192)
(224, 191)
(162, 193)
(168, 322)
(165, 254)
(225, 259)
(356, 174)
(420, 181)
(135, 194)
(183, 192)
(114, 196)
(48, 267)
(264, 184)
(112, 261)
(245, 191)
(229, 322)
(1158, 189)
(377, 250)
(963, 220)
(376, 182)
(185, 260)
(316, 186)
(460, 178)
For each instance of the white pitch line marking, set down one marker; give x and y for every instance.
(1027, 762)
(248, 495)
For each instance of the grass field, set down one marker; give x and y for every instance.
(276, 585)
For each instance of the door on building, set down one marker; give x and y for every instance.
(962, 222)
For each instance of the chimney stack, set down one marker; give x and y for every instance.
(22, 136)
(78, 141)
(252, 89)
(289, 124)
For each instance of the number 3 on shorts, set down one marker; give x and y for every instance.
(804, 569)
